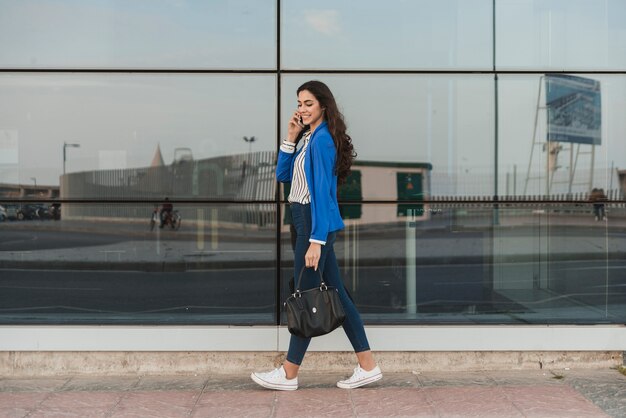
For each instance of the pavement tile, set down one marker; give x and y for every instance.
(396, 380)
(552, 401)
(427, 379)
(25, 400)
(242, 411)
(13, 412)
(236, 397)
(314, 403)
(391, 402)
(83, 399)
(101, 383)
(157, 400)
(611, 397)
(523, 377)
(230, 383)
(600, 375)
(69, 413)
(170, 383)
(156, 404)
(319, 380)
(32, 384)
(479, 402)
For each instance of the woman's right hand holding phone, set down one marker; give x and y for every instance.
(295, 127)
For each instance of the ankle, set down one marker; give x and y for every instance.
(291, 370)
(368, 367)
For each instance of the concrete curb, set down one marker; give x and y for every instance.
(42, 364)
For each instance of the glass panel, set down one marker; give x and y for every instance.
(439, 127)
(140, 136)
(138, 34)
(448, 262)
(104, 263)
(560, 264)
(396, 34)
(561, 34)
(580, 115)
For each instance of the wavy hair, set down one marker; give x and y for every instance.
(336, 126)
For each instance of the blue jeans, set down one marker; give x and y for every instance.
(353, 325)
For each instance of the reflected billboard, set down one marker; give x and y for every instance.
(574, 109)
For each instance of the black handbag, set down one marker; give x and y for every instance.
(314, 312)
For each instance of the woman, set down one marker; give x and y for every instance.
(314, 170)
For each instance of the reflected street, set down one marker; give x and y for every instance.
(113, 272)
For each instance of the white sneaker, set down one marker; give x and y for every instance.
(276, 379)
(361, 378)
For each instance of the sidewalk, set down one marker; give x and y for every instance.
(572, 238)
(502, 394)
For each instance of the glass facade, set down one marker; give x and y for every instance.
(488, 188)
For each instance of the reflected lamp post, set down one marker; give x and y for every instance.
(249, 141)
(65, 145)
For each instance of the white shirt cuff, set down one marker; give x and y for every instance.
(288, 149)
(317, 241)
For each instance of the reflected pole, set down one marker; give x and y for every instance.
(65, 145)
(411, 262)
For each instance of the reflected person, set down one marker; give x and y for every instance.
(166, 211)
(314, 170)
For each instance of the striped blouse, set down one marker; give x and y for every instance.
(299, 188)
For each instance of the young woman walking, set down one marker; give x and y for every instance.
(314, 170)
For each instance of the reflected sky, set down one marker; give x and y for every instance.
(445, 120)
(561, 34)
(138, 33)
(400, 34)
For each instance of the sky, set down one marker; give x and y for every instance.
(445, 119)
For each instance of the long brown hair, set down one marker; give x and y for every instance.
(336, 126)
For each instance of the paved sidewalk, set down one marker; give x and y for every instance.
(531, 393)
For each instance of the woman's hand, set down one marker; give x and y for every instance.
(312, 256)
(294, 127)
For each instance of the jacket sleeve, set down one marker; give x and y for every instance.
(323, 159)
(284, 166)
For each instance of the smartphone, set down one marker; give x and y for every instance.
(300, 121)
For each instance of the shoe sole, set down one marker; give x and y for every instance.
(360, 383)
(269, 385)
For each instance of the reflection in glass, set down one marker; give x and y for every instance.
(217, 267)
(152, 34)
(136, 129)
(417, 34)
(442, 121)
(560, 263)
(561, 138)
(560, 35)
(445, 262)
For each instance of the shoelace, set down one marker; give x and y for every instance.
(274, 373)
(357, 372)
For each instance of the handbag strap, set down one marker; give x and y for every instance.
(322, 284)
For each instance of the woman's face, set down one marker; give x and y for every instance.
(310, 109)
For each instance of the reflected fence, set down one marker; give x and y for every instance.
(245, 177)
(236, 182)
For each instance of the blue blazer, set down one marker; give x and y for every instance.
(319, 169)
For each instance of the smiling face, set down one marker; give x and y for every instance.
(310, 109)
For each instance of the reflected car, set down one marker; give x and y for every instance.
(26, 212)
(11, 211)
(30, 211)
